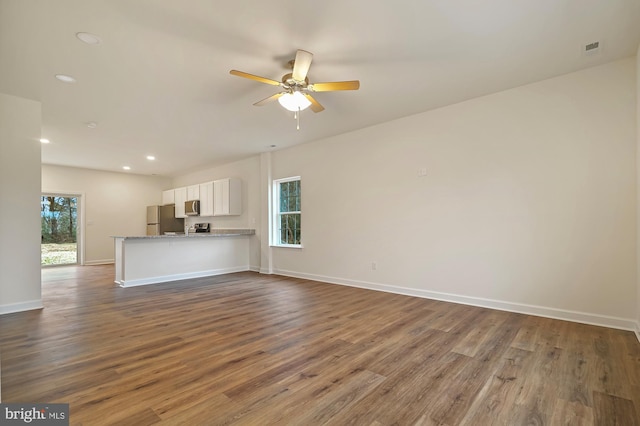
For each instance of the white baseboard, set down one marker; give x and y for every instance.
(541, 311)
(99, 262)
(179, 277)
(254, 268)
(21, 307)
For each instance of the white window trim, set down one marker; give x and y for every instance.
(276, 213)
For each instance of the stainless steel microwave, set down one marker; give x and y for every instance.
(192, 208)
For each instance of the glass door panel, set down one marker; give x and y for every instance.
(59, 226)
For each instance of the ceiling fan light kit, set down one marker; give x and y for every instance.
(294, 102)
(296, 96)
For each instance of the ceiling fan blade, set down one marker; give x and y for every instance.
(335, 85)
(269, 99)
(255, 77)
(315, 105)
(301, 65)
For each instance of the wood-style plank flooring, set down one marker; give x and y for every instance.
(251, 349)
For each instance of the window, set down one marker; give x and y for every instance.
(286, 202)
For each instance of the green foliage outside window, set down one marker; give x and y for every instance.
(58, 219)
(289, 212)
(290, 228)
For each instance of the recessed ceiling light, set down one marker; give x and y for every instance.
(126, 167)
(91, 124)
(151, 157)
(43, 140)
(89, 38)
(65, 78)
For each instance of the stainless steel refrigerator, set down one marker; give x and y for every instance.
(161, 219)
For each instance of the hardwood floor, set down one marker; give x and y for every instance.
(251, 349)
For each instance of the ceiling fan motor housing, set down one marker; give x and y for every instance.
(289, 82)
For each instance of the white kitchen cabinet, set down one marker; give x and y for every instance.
(168, 197)
(193, 192)
(227, 197)
(206, 199)
(180, 196)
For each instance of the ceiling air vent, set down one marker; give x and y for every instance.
(591, 48)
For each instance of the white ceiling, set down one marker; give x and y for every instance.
(159, 82)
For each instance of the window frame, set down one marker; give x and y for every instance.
(275, 235)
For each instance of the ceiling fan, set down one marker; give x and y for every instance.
(295, 95)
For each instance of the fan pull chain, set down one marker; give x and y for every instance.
(298, 119)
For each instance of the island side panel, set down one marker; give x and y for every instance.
(155, 260)
(119, 259)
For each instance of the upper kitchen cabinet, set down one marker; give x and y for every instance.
(227, 197)
(206, 199)
(193, 192)
(180, 196)
(168, 197)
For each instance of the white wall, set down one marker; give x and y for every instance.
(114, 204)
(20, 122)
(248, 170)
(638, 187)
(529, 199)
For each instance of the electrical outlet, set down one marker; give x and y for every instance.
(374, 266)
(422, 171)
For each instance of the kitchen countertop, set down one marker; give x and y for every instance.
(214, 233)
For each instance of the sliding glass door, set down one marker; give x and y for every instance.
(59, 224)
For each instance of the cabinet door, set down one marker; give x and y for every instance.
(218, 198)
(180, 198)
(206, 199)
(168, 197)
(227, 197)
(193, 192)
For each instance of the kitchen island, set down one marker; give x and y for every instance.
(142, 260)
